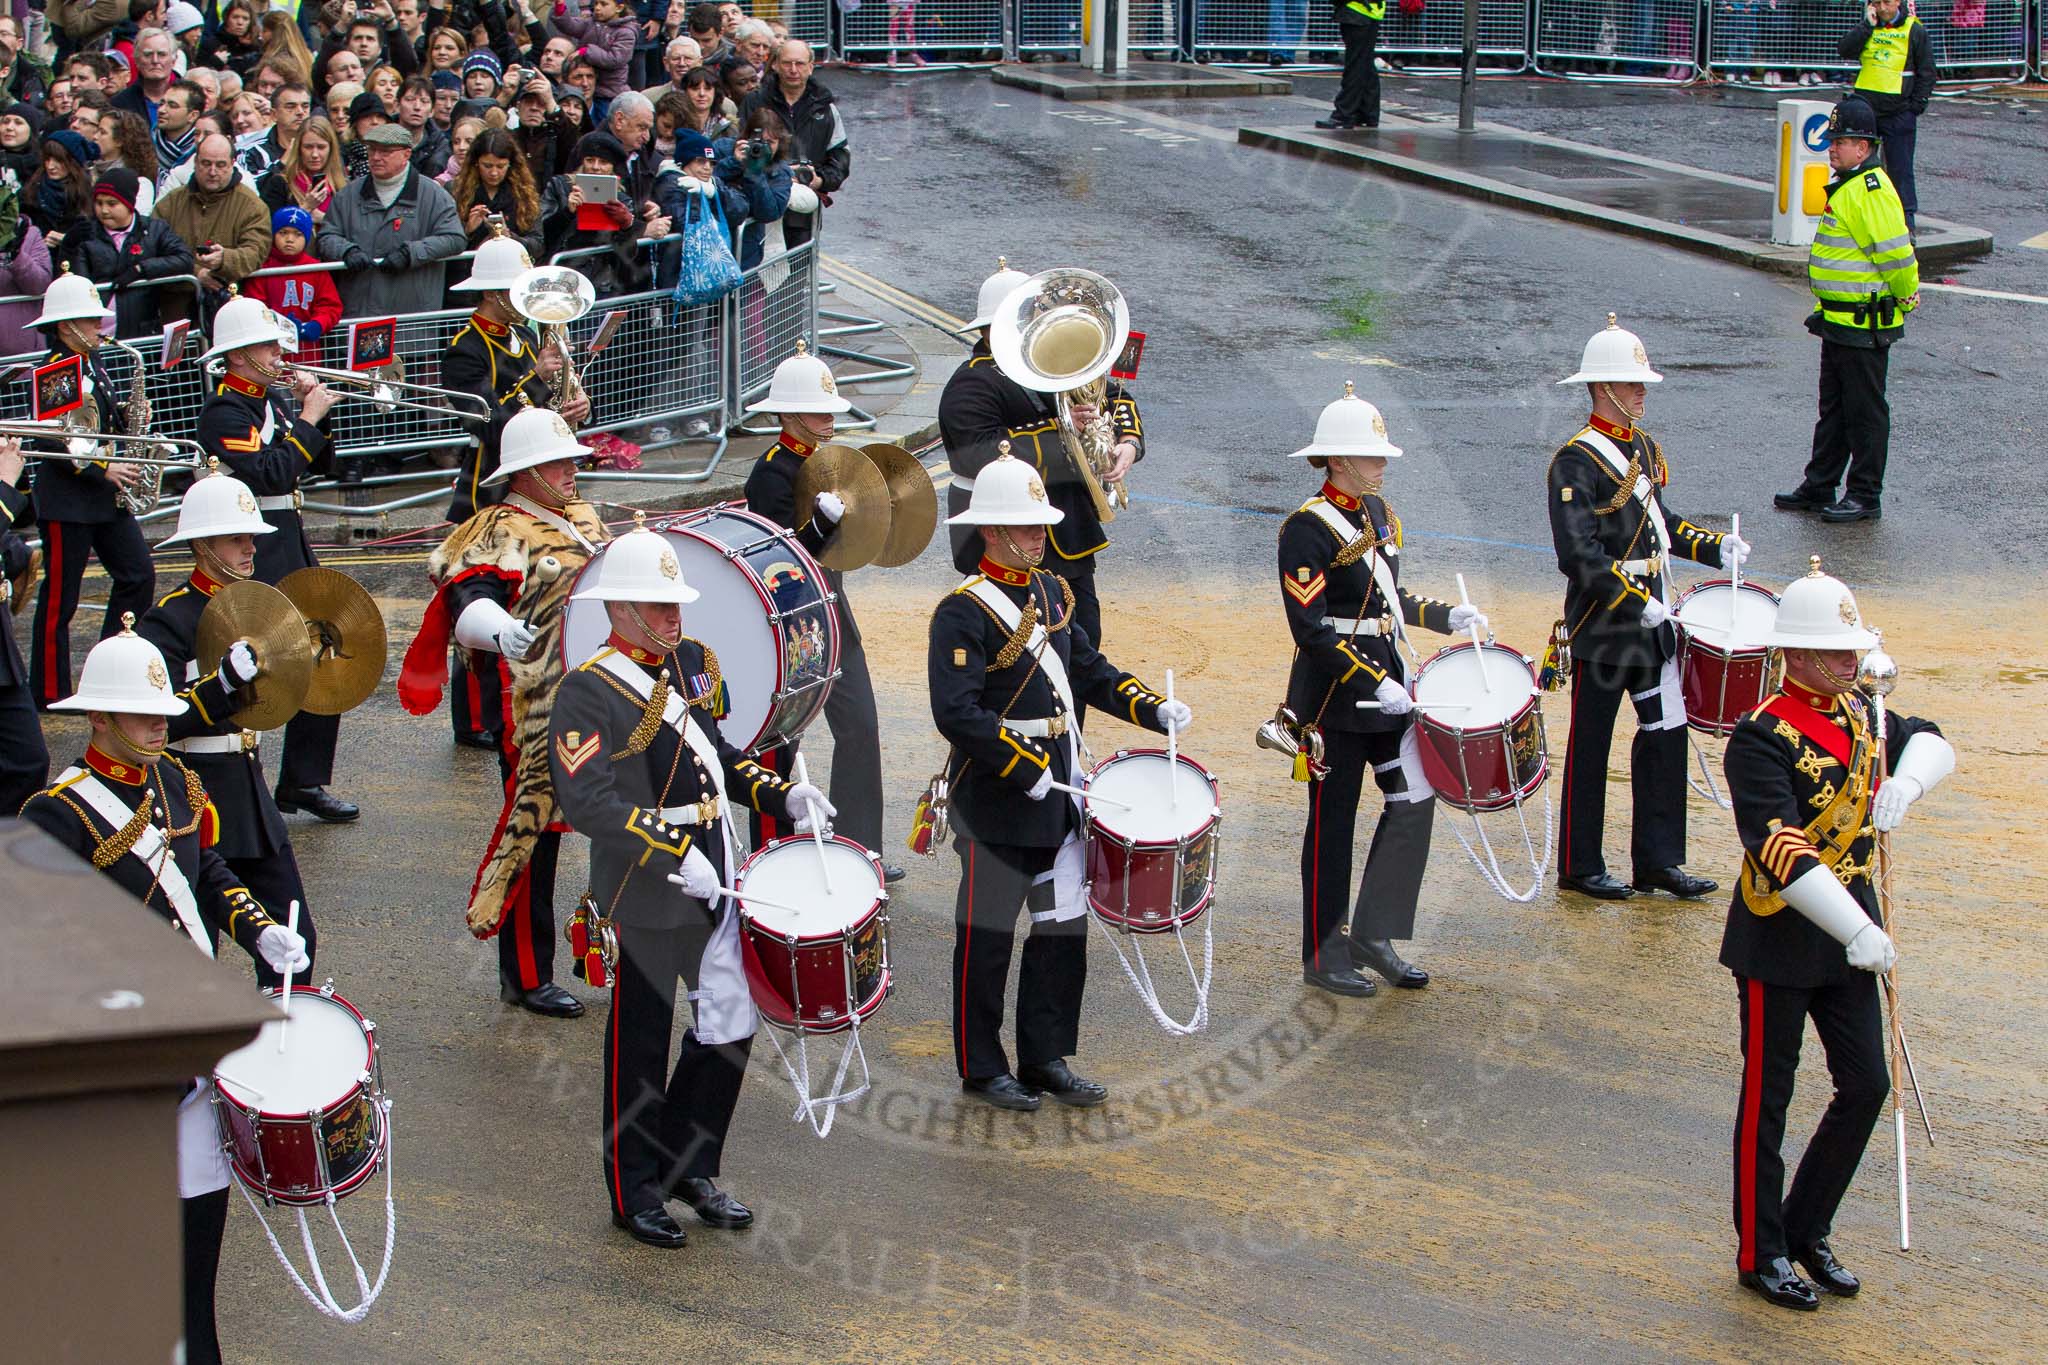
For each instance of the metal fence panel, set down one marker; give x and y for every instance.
(960, 28)
(810, 20)
(1286, 30)
(663, 363)
(1640, 39)
(1760, 37)
(774, 308)
(1055, 25)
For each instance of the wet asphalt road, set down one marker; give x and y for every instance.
(1526, 1161)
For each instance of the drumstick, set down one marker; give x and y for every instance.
(547, 569)
(1087, 795)
(1421, 705)
(291, 925)
(817, 827)
(1473, 626)
(254, 1093)
(1734, 578)
(748, 898)
(1172, 752)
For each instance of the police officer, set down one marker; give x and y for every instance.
(144, 820)
(1010, 665)
(493, 357)
(498, 596)
(1340, 566)
(1614, 540)
(1864, 279)
(1895, 73)
(981, 407)
(1358, 92)
(623, 724)
(24, 758)
(1809, 800)
(252, 432)
(78, 505)
(802, 393)
(218, 518)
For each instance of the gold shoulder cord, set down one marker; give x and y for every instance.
(1365, 542)
(654, 708)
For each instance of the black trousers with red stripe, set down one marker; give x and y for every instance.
(1656, 763)
(1768, 1222)
(996, 881)
(662, 1127)
(66, 547)
(526, 937)
(476, 700)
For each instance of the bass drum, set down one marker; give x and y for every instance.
(764, 609)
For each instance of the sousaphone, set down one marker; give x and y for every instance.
(267, 620)
(1060, 332)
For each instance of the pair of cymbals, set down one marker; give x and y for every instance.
(891, 508)
(318, 638)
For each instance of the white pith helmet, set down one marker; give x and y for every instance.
(72, 298)
(218, 505)
(1819, 612)
(249, 322)
(1614, 355)
(499, 261)
(124, 675)
(1350, 426)
(994, 290)
(1008, 492)
(802, 383)
(638, 567)
(534, 437)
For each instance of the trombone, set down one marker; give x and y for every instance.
(82, 447)
(380, 391)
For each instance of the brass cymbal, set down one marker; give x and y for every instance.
(847, 471)
(346, 632)
(913, 504)
(266, 618)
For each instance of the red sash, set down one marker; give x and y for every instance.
(1826, 735)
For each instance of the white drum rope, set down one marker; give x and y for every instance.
(324, 1300)
(1711, 789)
(809, 1107)
(1141, 977)
(1489, 870)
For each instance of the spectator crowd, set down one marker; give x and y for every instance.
(173, 150)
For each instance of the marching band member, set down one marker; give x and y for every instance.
(78, 506)
(623, 722)
(1615, 539)
(981, 407)
(1340, 566)
(24, 758)
(1801, 773)
(143, 818)
(253, 434)
(803, 395)
(1010, 665)
(218, 519)
(501, 581)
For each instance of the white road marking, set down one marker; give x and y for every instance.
(2039, 241)
(1985, 293)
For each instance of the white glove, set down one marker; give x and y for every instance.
(1465, 615)
(1041, 786)
(1888, 810)
(238, 666)
(516, 638)
(697, 877)
(817, 811)
(1734, 551)
(1872, 950)
(831, 507)
(486, 625)
(1925, 761)
(1393, 698)
(284, 950)
(1176, 716)
(1654, 614)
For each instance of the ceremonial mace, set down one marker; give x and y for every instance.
(1876, 675)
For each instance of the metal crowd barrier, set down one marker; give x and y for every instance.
(1284, 30)
(959, 29)
(1056, 26)
(1969, 38)
(1599, 39)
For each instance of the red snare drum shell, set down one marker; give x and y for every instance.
(1721, 685)
(1150, 886)
(823, 983)
(280, 1155)
(1490, 767)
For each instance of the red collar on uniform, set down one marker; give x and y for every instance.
(633, 652)
(205, 582)
(1607, 428)
(234, 383)
(487, 327)
(1813, 715)
(800, 449)
(126, 773)
(1003, 573)
(1823, 702)
(1341, 498)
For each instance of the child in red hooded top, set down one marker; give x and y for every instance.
(307, 297)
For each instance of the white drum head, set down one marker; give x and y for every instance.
(789, 875)
(1158, 814)
(1453, 681)
(325, 1056)
(1706, 614)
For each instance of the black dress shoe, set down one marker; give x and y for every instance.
(1678, 882)
(317, 801)
(1830, 1276)
(1599, 885)
(1781, 1284)
(1004, 1092)
(713, 1206)
(1342, 981)
(892, 874)
(1799, 501)
(1058, 1080)
(546, 998)
(477, 739)
(1335, 124)
(1379, 955)
(1851, 509)
(654, 1227)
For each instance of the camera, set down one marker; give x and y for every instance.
(805, 173)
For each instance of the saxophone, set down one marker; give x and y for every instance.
(1093, 447)
(142, 496)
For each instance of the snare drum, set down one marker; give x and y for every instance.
(1152, 855)
(308, 1121)
(764, 608)
(1724, 672)
(817, 961)
(1484, 748)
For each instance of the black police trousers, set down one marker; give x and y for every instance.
(1854, 430)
